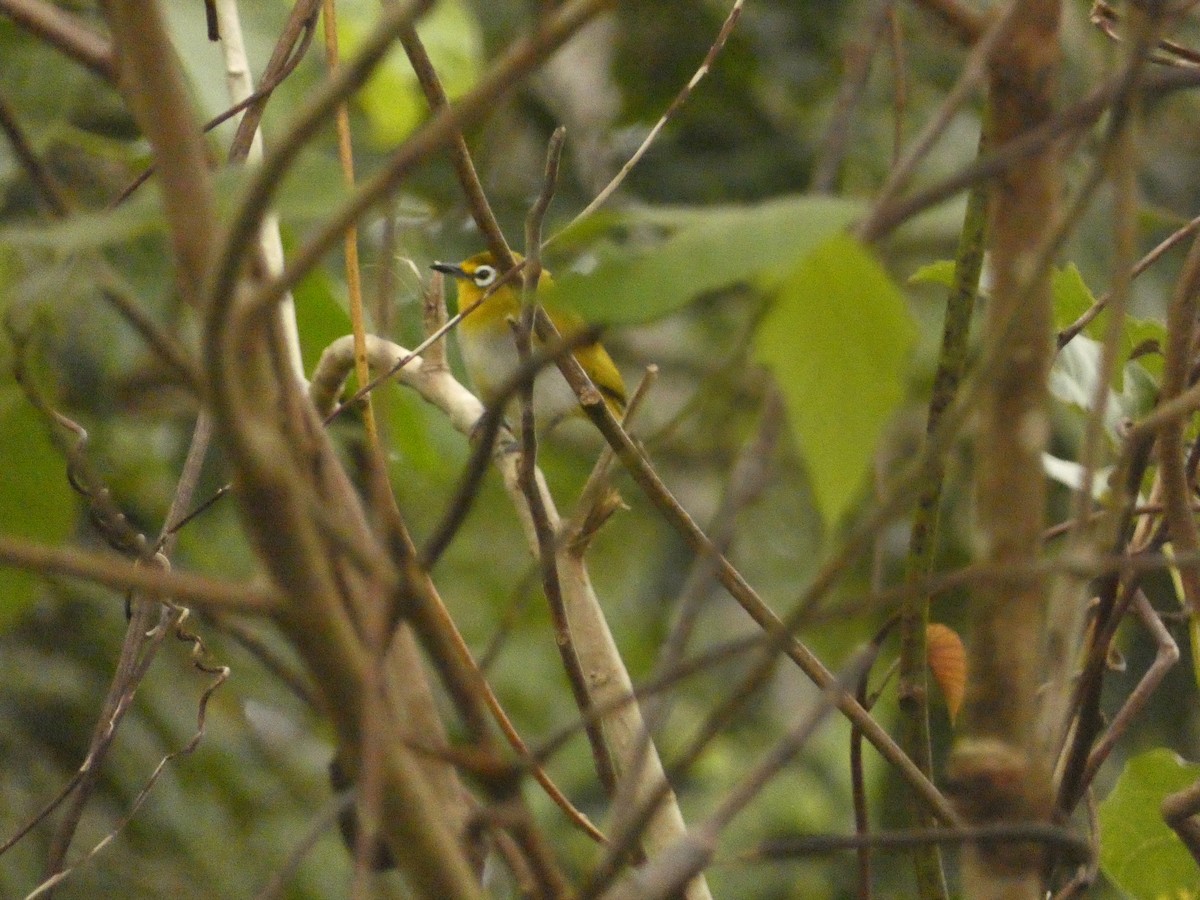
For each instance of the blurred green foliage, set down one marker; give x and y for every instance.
(712, 228)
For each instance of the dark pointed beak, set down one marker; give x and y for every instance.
(448, 269)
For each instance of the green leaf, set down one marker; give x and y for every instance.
(1138, 851)
(35, 499)
(1072, 298)
(940, 272)
(392, 98)
(702, 251)
(838, 339)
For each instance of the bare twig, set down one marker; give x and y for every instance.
(667, 874)
(47, 185)
(460, 156)
(973, 72)
(289, 50)
(543, 529)
(862, 818)
(860, 51)
(489, 429)
(121, 575)
(1166, 655)
(353, 272)
(1178, 355)
(290, 47)
(61, 30)
(779, 631)
(1069, 121)
(553, 30)
(1181, 811)
(596, 499)
(1007, 832)
(219, 675)
(680, 98)
(1172, 240)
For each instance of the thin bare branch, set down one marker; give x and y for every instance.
(859, 52)
(718, 44)
(61, 30)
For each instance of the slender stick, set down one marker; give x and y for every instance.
(61, 30)
(913, 690)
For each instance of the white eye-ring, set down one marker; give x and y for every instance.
(484, 275)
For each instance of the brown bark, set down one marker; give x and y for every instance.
(995, 770)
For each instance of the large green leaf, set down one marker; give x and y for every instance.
(35, 500)
(838, 339)
(703, 250)
(1138, 851)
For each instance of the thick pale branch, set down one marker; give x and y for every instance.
(608, 680)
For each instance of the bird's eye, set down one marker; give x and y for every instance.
(484, 275)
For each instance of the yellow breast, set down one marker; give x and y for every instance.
(486, 339)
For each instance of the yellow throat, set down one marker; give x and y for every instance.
(490, 354)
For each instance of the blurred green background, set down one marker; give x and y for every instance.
(221, 821)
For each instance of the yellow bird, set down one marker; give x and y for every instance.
(490, 353)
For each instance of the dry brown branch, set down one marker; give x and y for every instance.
(666, 875)
(521, 58)
(122, 575)
(1066, 613)
(43, 179)
(860, 50)
(1068, 122)
(996, 768)
(973, 73)
(60, 29)
(1166, 655)
(1178, 357)
(1181, 810)
(272, 458)
(967, 25)
(779, 631)
(714, 50)
(163, 114)
(1009, 832)
(141, 641)
(354, 293)
(219, 675)
(289, 49)
(460, 156)
(608, 683)
(545, 538)
(1172, 240)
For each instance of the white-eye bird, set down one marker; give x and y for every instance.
(485, 338)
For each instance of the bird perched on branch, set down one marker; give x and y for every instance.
(486, 338)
